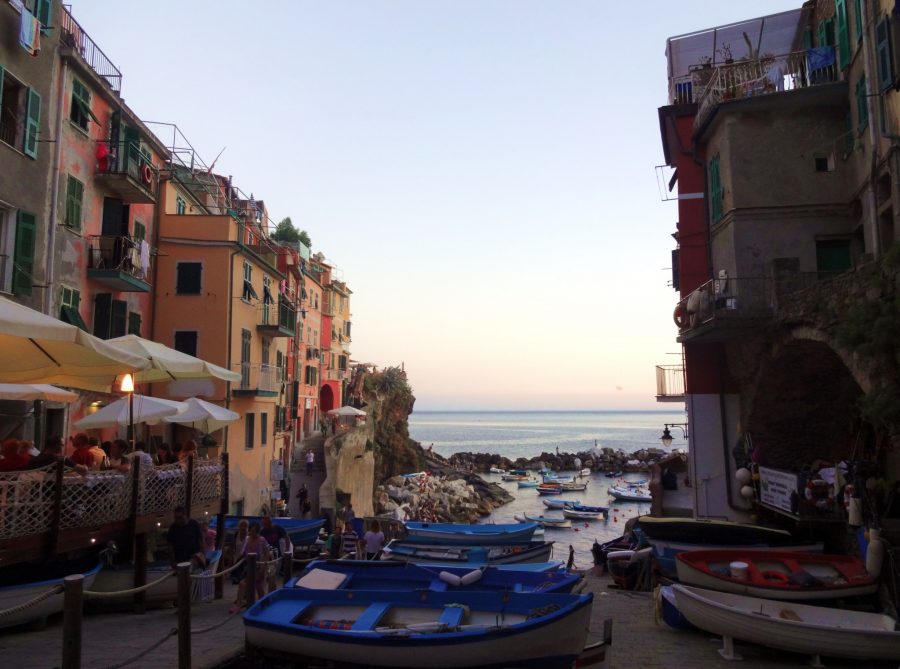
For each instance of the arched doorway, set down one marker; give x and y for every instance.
(326, 399)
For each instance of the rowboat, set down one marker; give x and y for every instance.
(784, 575)
(545, 489)
(573, 487)
(23, 583)
(395, 575)
(515, 475)
(536, 551)
(584, 472)
(555, 478)
(635, 484)
(497, 470)
(528, 483)
(300, 531)
(626, 494)
(459, 534)
(414, 475)
(543, 521)
(575, 506)
(612, 475)
(581, 515)
(420, 628)
(798, 628)
(558, 503)
(670, 613)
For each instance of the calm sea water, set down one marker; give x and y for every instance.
(526, 434)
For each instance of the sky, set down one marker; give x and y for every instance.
(481, 172)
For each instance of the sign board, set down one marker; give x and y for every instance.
(276, 470)
(309, 402)
(776, 488)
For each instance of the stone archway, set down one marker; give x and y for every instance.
(326, 399)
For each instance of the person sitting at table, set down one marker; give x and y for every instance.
(164, 455)
(140, 453)
(82, 454)
(53, 449)
(185, 539)
(117, 459)
(189, 450)
(14, 457)
(98, 453)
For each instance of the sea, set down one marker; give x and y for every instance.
(515, 434)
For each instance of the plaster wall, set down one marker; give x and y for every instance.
(350, 468)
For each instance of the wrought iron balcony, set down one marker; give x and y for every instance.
(127, 172)
(72, 35)
(278, 320)
(669, 383)
(120, 263)
(720, 306)
(258, 380)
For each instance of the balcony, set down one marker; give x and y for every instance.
(74, 37)
(127, 172)
(721, 307)
(669, 383)
(277, 320)
(120, 263)
(335, 374)
(258, 380)
(713, 85)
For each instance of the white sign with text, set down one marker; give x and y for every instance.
(776, 488)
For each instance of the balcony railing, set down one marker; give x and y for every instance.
(278, 320)
(669, 383)
(73, 35)
(335, 374)
(128, 172)
(766, 75)
(120, 262)
(725, 302)
(258, 379)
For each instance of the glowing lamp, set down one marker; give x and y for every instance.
(127, 384)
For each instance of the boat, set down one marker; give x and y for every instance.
(584, 472)
(558, 503)
(300, 531)
(420, 628)
(670, 613)
(497, 470)
(799, 628)
(600, 552)
(635, 484)
(569, 512)
(555, 478)
(545, 522)
(414, 475)
(785, 575)
(612, 475)
(396, 575)
(460, 534)
(628, 566)
(515, 475)
(535, 551)
(24, 582)
(575, 506)
(625, 494)
(528, 483)
(545, 489)
(573, 487)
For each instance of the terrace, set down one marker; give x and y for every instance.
(72, 35)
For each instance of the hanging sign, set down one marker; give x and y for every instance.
(276, 470)
(776, 488)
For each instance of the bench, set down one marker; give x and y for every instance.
(370, 617)
(452, 616)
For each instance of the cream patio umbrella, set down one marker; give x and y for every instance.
(347, 410)
(35, 391)
(148, 410)
(36, 348)
(204, 416)
(167, 364)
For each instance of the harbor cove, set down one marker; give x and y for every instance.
(495, 335)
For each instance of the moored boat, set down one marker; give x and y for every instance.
(535, 551)
(528, 483)
(612, 475)
(461, 534)
(574, 514)
(545, 489)
(573, 487)
(584, 472)
(420, 628)
(497, 470)
(300, 531)
(23, 583)
(626, 494)
(515, 475)
(544, 521)
(558, 503)
(798, 628)
(575, 506)
(396, 575)
(784, 575)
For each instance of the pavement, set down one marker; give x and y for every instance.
(299, 476)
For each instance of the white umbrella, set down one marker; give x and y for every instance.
(167, 364)
(347, 410)
(148, 410)
(35, 348)
(204, 416)
(35, 391)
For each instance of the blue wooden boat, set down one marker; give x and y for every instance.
(459, 534)
(300, 531)
(535, 551)
(528, 483)
(575, 506)
(559, 503)
(423, 628)
(396, 575)
(22, 583)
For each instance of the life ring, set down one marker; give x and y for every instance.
(680, 316)
(774, 577)
(146, 174)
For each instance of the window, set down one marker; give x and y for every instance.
(843, 33)
(883, 54)
(342, 362)
(186, 342)
(862, 105)
(23, 259)
(180, 205)
(69, 303)
(716, 194)
(266, 345)
(43, 11)
(74, 202)
(858, 20)
(249, 292)
(110, 316)
(80, 112)
(20, 114)
(832, 257)
(245, 358)
(263, 428)
(311, 374)
(140, 232)
(826, 32)
(134, 323)
(249, 430)
(279, 364)
(118, 326)
(267, 290)
(188, 276)
(824, 163)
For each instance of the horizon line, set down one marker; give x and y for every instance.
(541, 411)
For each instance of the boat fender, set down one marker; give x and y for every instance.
(472, 577)
(775, 577)
(680, 316)
(450, 579)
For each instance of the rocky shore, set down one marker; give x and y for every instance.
(598, 459)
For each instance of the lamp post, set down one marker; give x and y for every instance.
(666, 437)
(127, 386)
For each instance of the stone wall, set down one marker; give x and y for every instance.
(350, 469)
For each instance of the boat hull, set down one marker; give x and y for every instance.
(16, 595)
(300, 531)
(815, 630)
(422, 554)
(581, 515)
(558, 503)
(469, 535)
(549, 522)
(666, 552)
(114, 580)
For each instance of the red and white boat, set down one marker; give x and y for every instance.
(784, 575)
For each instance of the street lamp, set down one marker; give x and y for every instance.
(666, 437)
(127, 386)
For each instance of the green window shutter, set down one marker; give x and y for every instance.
(43, 10)
(862, 109)
(102, 313)
(140, 232)
(74, 203)
(883, 54)
(118, 322)
(715, 190)
(32, 124)
(134, 323)
(857, 19)
(1, 84)
(843, 33)
(23, 259)
(822, 36)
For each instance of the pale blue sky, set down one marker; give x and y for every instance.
(481, 171)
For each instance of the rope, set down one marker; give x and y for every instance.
(172, 632)
(118, 593)
(224, 572)
(32, 602)
(218, 624)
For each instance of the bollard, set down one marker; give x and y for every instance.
(184, 615)
(251, 579)
(73, 610)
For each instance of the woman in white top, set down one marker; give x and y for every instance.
(374, 540)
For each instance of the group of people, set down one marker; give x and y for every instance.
(344, 540)
(268, 542)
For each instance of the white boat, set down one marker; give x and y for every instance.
(543, 521)
(584, 472)
(573, 487)
(17, 594)
(497, 470)
(626, 494)
(581, 515)
(557, 503)
(799, 628)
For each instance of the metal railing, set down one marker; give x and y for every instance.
(669, 381)
(281, 314)
(9, 134)
(73, 35)
(123, 253)
(266, 378)
(712, 85)
(730, 299)
(127, 158)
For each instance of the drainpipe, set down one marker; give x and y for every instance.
(871, 73)
(54, 193)
(157, 217)
(231, 258)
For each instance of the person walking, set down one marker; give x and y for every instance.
(374, 540)
(310, 459)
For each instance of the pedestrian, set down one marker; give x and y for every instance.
(374, 540)
(306, 507)
(349, 514)
(570, 563)
(310, 459)
(257, 545)
(185, 539)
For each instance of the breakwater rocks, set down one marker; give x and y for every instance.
(597, 459)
